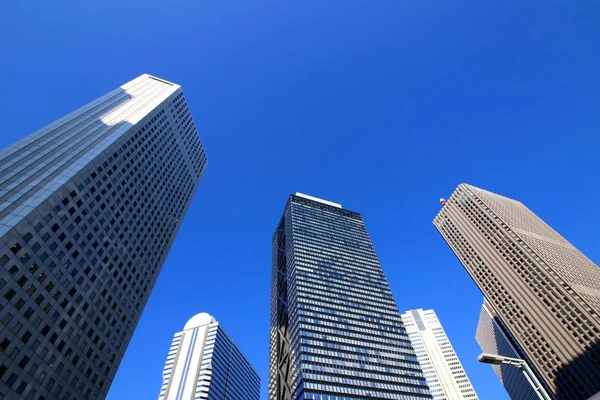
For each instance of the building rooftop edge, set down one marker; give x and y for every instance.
(175, 85)
(318, 200)
(199, 320)
(489, 192)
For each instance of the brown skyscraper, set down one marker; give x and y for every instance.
(544, 289)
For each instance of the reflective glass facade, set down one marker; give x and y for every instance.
(89, 208)
(233, 378)
(494, 338)
(336, 332)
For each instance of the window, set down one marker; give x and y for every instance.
(9, 294)
(11, 379)
(26, 337)
(21, 388)
(23, 361)
(4, 344)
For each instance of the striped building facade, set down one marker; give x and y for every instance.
(443, 370)
(204, 363)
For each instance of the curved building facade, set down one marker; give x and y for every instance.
(205, 363)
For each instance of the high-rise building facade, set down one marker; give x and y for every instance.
(494, 338)
(443, 371)
(544, 289)
(205, 363)
(89, 207)
(336, 332)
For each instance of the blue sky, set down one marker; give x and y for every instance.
(383, 106)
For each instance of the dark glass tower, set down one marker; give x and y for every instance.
(336, 332)
(89, 208)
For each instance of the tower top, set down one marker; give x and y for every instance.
(319, 200)
(199, 320)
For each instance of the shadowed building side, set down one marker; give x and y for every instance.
(570, 370)
(493, 338)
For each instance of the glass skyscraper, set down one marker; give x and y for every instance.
(205, 363)
(336, 332)
(89, 207)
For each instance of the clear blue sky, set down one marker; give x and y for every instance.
(383, 106)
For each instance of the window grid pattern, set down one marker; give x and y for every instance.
(345, 333)
(233, 377)
(81, 249)
(556, 253)
(552, 323)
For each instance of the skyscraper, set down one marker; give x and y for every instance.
(444, 373)
(336, 332)
(544, 289)
(205, 363)
(494, 338)
(89, 207)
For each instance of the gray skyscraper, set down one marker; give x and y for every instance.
(205, 363)
(544, 290)
(336, 332)
(89, 207)
(494, 338)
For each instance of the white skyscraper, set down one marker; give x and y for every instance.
(443, 371)
(205, 363)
